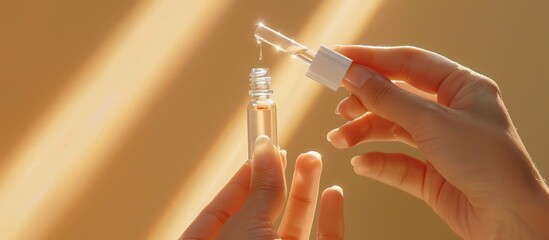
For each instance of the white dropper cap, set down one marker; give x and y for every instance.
(329, 67)
(326, 66)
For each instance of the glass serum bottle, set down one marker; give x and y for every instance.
(261, 109)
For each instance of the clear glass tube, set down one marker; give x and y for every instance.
(261, 109)
(283, 43)
(295, 49)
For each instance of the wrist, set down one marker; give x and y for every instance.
(531, 218)
(539, 218)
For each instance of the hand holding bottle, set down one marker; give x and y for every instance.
(248, 206)
(478, 176)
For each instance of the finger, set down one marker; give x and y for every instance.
(404, 85)
(379, 95)
(330, 220)
(397, 170)
(284, 155)
(226, 203)
(350, 108)
(268, 184)
(368, 127)
(422, 69)
(300, 209)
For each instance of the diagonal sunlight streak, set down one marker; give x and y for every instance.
(67, 146)
(329, 25)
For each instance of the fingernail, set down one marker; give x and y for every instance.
(357, 75)
(354, 161)
(315, 154)
(336, 139)
(337, 188)
(283, 153)
(360, 169)
(263, 158)
(338, 106)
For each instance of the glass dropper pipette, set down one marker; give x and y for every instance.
(283, 43)
(325, 66)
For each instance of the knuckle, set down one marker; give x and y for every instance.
(490, 86)
(375, 164)
(402, 173)
(218, 215)
(380, 94)
(432, 114)
(452, 82)
(463, 81)
(481, 83)
(303, 199)
(266, 187)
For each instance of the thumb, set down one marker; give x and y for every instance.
(268, 184)
(379, 95)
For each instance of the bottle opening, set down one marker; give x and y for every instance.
(259, 72)
(260, 82)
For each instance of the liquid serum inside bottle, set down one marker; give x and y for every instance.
(261, 108)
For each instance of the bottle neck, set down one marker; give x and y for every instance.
(260, 84)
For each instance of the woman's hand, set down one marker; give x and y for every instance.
(478, 176)
(248, 206)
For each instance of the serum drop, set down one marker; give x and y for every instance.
(260, 50)
(261, 109)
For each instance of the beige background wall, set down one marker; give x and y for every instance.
(45, 44)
